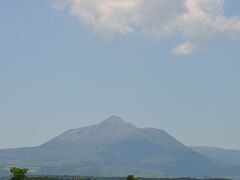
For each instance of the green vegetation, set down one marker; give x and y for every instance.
(132, 177)
(18, 173)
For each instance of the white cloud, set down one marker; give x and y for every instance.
(197, 21)
(183, 49)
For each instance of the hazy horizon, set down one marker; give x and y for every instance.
(69, 65)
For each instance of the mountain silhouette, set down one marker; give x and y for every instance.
(116, 148)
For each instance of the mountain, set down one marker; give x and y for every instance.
(231, 157)
(116, 148)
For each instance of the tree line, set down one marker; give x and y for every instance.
(21, 174)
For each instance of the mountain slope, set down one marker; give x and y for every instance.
(116, 148)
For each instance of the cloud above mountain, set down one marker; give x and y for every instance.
(195, 21)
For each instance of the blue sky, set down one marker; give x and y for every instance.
(58, 72)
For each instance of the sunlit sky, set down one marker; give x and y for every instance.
(68, 65)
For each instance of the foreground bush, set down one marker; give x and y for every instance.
(131, 177)
(18, 173)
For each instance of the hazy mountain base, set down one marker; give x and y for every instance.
(115, 160)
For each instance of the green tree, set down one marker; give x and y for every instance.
(132, 177)
(18, 173)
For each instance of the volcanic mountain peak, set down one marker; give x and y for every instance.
(108, 130)
(117, 148)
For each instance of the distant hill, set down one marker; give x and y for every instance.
(116, 148)
(226, 156)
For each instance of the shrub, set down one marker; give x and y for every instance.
(131, 177)
(18, 173)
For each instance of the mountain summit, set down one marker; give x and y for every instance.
(114, 123)
(116, 148)
(114, 120)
